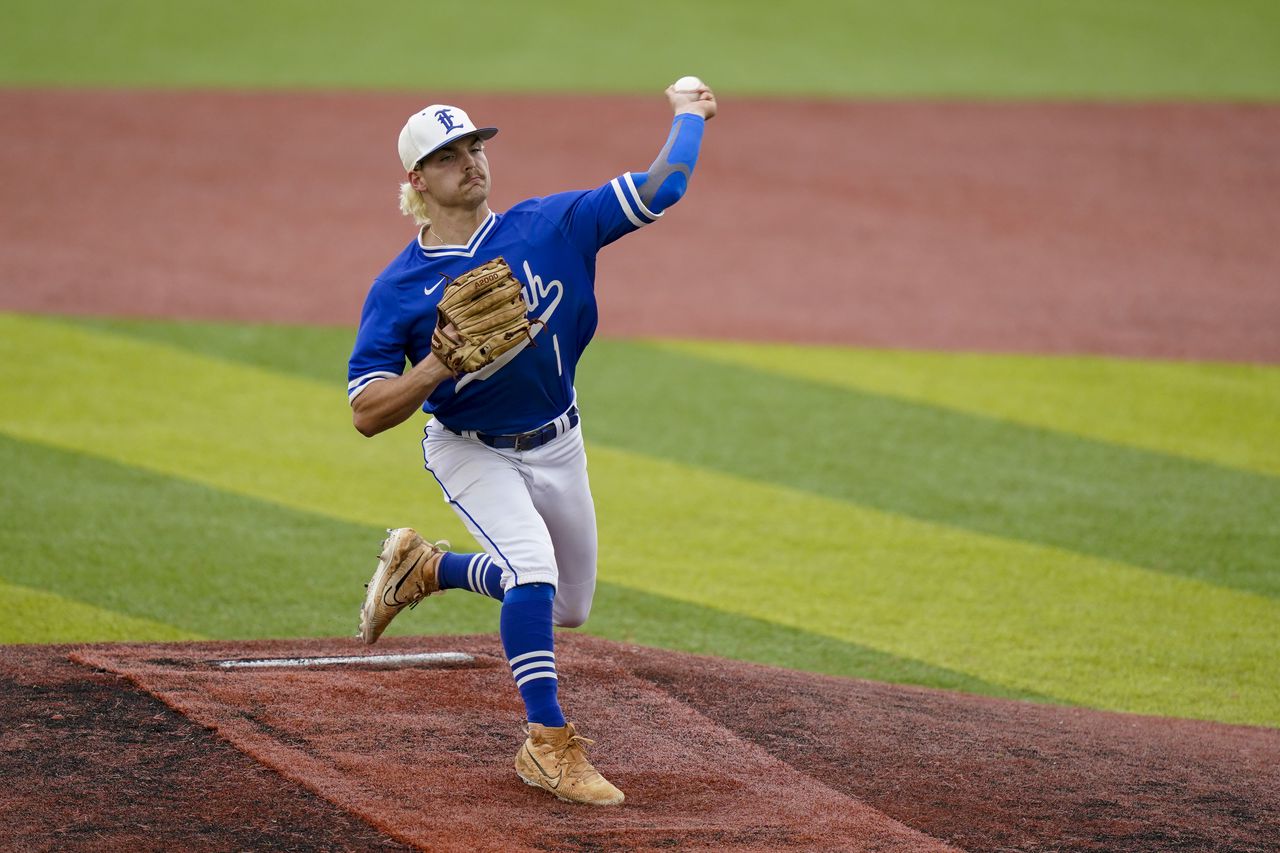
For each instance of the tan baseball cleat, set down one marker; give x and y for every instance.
(555, 759)
(408, 571)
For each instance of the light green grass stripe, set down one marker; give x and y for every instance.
(980, 48)
(159, 547)
(1213, 412)
(1042, 619)
(1027, 617)
(246, 430)
(940, 464)
(1227, 414)
(37, 616)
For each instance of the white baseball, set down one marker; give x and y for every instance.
(688, 84)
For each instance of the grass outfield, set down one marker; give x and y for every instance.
(1096, 531)
(1164, 49)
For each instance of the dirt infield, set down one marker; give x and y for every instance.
(1116, 229)
(712, 755)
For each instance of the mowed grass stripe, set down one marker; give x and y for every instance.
(630, 613)
(40, 616)
(1025, 616)
(312, 352)
(163, 549)
(992, 48)
(1226, 414)
(816, 564)
(157, 549)
(238, 428)
(901, 452)
(246, 568)
(987, 475)
(232, 567)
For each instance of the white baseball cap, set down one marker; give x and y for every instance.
(435, 127)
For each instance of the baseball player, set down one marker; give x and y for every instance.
(505, 440)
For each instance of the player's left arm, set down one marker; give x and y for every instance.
(668, 177)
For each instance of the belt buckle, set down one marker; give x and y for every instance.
(535, 438)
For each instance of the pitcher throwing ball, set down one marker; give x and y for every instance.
(492, 311)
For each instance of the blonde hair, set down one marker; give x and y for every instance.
(413, 204)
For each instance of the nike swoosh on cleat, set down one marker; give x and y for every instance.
(545, 774)
(394, 589)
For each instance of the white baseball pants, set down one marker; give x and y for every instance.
(530, 510)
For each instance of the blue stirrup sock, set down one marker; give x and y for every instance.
(474, 572)
(527, 639)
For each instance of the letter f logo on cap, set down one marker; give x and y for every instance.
(446, 118)
(434, 127)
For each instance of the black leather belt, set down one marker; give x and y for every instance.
(527, 440)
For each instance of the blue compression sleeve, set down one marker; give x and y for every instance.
(668, 177)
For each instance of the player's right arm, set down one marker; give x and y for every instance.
(385, 403)
(668, 177)
(593, 219)
(381, 392)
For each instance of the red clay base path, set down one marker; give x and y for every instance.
(1115, 229)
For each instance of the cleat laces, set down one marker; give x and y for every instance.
(574, 752)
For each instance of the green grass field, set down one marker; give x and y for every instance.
(936, 48)
(1090, 531)
(1064, 539)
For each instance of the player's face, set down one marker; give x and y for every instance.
(456, 175)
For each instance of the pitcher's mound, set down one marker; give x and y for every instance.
(416, 736)
(424, 749)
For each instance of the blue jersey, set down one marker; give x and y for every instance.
(551, 245)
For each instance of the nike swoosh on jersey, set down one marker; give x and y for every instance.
(427, 291)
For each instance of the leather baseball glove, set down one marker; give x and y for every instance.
(487, 312)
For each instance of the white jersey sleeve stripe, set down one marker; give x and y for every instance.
(635, 195)
(380, 374)
(355, 386)
(625, 205)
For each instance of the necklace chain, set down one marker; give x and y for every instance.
(431, 232)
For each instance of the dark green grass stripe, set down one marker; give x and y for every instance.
(1166, 513)
(313, 352)
(178, 552)
(1162, 512)
(232, 567)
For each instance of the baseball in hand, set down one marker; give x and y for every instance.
(688, 84)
